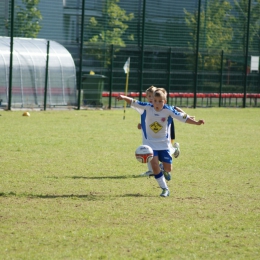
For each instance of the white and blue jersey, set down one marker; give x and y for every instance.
(156, 124)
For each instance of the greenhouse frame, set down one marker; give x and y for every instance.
(33, 79)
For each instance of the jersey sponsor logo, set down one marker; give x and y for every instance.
(156, 115)
(155, 127)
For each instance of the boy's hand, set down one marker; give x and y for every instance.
(119, 97)
(139, 126)
(200, 122)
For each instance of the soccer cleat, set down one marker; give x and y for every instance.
(147, 174)
(167, 175)
(165, 193)
(177, 150)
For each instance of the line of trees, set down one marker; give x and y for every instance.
(27, 19)
(223, 25)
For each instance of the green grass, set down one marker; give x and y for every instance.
(70, 188)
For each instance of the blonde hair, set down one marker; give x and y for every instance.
(150, 90)
(160, 92)
(163, 90)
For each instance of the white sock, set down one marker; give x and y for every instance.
(162, 182)
(149, 167)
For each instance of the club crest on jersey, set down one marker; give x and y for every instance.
(155, 127)
(163, 119)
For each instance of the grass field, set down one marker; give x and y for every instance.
(70, 188)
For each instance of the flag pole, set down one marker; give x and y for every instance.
(127, 70)
(126, 90)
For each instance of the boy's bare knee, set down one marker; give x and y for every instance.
(167, 167)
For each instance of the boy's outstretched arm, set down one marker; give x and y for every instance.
(180, 110)
(192, 121)
(128, 100)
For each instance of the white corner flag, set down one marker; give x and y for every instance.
(127, 66)
(254, 63)
(127, 70)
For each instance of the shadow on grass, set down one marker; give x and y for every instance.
(90, 196)
(99, 177)
(105, 177)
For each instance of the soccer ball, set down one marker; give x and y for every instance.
(26, 114)
(144, 154)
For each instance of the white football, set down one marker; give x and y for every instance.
(144, 154)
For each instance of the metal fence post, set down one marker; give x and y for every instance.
(169, 74)
(111, 76)
(246, 55)
(81, 53)
(142, 52)
(46, 75)
(221, 78)
(11, 57)
(197, 57)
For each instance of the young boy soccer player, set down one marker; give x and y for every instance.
(155, 131)
(176, 147)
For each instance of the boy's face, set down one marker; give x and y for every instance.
(149, 97)
(158, 103)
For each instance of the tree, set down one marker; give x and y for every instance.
(240, 25)
(215, 31)
(108, 29)
(27, 19)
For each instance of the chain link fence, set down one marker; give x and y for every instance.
(204, 53)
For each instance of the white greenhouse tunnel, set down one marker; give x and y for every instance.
(29, 71)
